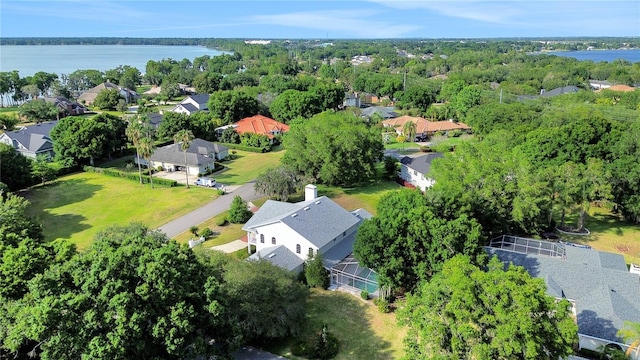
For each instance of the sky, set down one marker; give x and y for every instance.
(319, 19)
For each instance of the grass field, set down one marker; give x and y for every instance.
(246, 166)
(609, 232)
(363, 331)
(78, 206)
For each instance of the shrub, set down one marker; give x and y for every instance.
(159, 168)
(383, 305)
(425, 148)
(221, 221)
(454, 133)
(238, 212)
(129, 176)
(194, 230)
(364, 294)
(206, 232)
(324, 345)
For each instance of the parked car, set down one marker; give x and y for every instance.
(205, 181)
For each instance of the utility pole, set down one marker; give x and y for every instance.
(404, 82)
(500, 96)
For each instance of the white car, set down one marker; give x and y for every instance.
(205, 181)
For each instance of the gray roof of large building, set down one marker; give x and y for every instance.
(319, 220)
(279, 256)
(561, 90)
(385, 111)
(421, 164)
(196, 154)
(187, 106)
(605, 293)
(345, 247)
(34, 137)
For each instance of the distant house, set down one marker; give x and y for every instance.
(415, 170)
(425, 127)
(621, 88)
(66, 107)
(184, 89)
(90, 95)
(201, 157)
(262, 125)
(603, 293)
(599, 84)
(351, 100)
(155, 119)
(385, 112)
(559, 91)
(287, 234)
(192, 104)
(31, 141)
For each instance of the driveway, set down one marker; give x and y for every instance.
(209, 210)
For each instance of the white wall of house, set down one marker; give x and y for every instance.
(222, 154)
(284, 235)
(596, 344)
(416, 178)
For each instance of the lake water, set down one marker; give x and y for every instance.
(632, 55)
(65, 59)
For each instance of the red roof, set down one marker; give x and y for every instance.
(261, 125)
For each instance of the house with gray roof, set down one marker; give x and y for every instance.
(89, 96)
(603, 293)
(560, 91)
(192, 104)
(32, 140)
(415, 170)
(201, 157)
(288, 234)
(385, 112)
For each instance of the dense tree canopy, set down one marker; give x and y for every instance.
(465, 312)
(232, 105)
(334, 148)
(83, 139)
(38, 111)
(410, 238)
(108, 99)
(15, 169)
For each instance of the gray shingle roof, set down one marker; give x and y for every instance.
(196, 154)
(319, 221)
(421, 164)
(35, 137)
(605, 293)
(561, 90)
(279, 256)
(201, 99)
(385, 111)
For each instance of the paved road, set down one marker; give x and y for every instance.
(209, 210)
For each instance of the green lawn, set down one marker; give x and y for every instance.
(363, 331)
(402, 146)
(246, 166)
(609, 232)
(78, 206)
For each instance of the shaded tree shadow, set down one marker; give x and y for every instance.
(591, 324)
(61, 192)
(61, 226)
(346, 317)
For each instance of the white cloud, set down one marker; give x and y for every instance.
(347, 23)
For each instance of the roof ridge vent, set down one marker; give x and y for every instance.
(306, 208)
(294, 215)
(317, 202)
(271, 255)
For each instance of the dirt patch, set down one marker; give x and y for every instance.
(622, 247)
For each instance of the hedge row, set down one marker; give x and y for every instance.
(247, 148)
(130, 176)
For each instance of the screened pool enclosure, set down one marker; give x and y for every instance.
(348, 275)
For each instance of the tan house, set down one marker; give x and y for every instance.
(90, 95)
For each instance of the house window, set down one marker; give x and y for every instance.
(297, 248)
(415, 172)
(273, 240)
(310, 252)
(262, 238)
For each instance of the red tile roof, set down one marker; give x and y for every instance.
(260, 125)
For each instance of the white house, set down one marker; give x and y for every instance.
(415, 170)
(192, 104)
(287, 234)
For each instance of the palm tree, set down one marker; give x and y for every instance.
(184, 138)
(135, 132)
(147, 147)
(409, 130)
(631, 334)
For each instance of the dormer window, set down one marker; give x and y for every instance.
(310, 252)
(262, 238)
(273, 240)
(298, 250)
